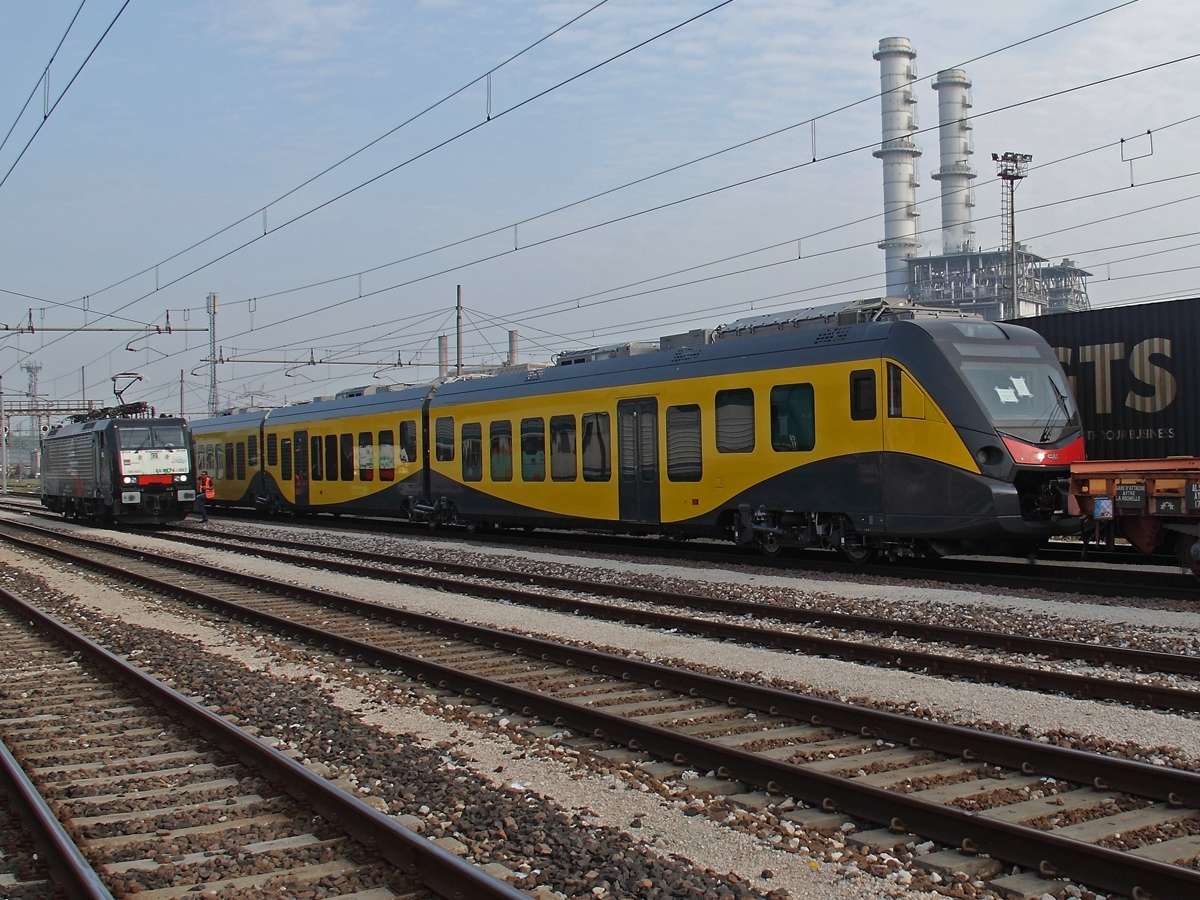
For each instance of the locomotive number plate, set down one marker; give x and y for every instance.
(1192, 498)
(1130, 496)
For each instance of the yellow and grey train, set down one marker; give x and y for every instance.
(877, 427)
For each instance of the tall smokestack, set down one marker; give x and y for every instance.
(899, 154)
(955, 174)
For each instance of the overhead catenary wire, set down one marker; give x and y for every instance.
(50, 111)
(44, 76)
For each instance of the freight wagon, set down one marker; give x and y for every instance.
(1135, 373)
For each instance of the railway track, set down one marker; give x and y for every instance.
(1059, 569)
(1118, 825)
(658, 609)
(164, 797)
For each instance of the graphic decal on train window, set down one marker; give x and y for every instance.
(443, 431)
(387, 455)
(793, 418)
(597, 444)
(500, 462)
(735, 421)
(252, 450)
(285, 459)
(366, 456)
(240, 460)
(408, 441)
(272, 450)
(562, 448)
(683, 443)
(533, 449)
(472, 451)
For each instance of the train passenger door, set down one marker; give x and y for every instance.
(300, 464)
(637, 460)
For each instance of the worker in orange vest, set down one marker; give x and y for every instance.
(204, 491)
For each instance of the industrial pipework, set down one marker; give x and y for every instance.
(955, 174)
(898, 153)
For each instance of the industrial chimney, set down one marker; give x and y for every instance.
(899, 154)
(955, 174)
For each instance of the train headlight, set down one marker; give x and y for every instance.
(130, 479)
(181, 478)
(988, 456)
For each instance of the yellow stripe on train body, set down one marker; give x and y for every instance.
(922, 430)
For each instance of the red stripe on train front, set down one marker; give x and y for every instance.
(1031, 455)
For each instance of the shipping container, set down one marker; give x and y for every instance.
(1135, 371)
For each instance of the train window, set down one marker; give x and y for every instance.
(597, 456)
(169, 436)
(387, 455)
(240, 459)
(862, 395)
(408, 441)
(347, 457)
(229, 470)
(905, 399)
(252, 450)
(219, 469)
(444, 439)
(272, 450)
(472, 451)
(684, 446)
(500, 457)
(562, 448)
(285, 460)
(366, 456)
(793, 417)
(735, 421)
(331, 457)
(315, 458)
(533, 449)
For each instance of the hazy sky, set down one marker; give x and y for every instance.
(191, 117)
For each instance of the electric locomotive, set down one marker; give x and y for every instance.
(119, 465)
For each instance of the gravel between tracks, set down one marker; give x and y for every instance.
(614, 804)
(501, 762)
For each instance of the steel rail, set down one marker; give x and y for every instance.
(438, 869)
(1109, 869)
(1115, 582)
(1082, 686)
(1146, 660)
(67, 865)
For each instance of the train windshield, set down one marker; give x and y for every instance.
(1026, 398)
(151, 437)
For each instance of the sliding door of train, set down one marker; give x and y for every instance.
(300, 453)
(637, 460)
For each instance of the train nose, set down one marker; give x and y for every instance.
(1024, 454)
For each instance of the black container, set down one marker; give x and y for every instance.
(1135, 371)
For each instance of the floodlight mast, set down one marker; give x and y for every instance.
(1011, 168)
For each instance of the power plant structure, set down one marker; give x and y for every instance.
(1008, 282)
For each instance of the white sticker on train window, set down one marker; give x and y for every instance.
(1006, 395)
(1020, 387)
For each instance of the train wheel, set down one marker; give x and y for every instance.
(1188, 553)
(769, 545)
(858, 554)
